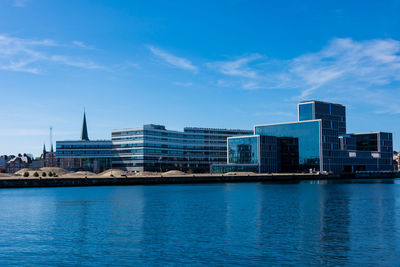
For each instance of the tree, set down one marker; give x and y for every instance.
(26, 174)
(36, 174)
(44, 174)
(50, 174)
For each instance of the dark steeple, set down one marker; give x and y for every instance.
(84, 135)
(44, 148)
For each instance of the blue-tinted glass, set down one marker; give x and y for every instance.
(306, 112)
(308, 139)
(243, 150)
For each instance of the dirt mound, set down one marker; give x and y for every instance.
(22, 171)
(114, 172)
(58, 171)
(174, 173)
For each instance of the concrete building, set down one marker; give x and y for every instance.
(316, 142)
(84, 154)
(154, 148)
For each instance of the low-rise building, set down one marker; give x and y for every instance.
(19, 162)
(154, 148)
(84, 154)
(48, 158)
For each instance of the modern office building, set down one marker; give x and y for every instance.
(84, 154)
(316, 142)
(154, 148)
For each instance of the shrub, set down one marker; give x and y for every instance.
(36, 174)
(26, 174)
(44, 174)
(50, 174)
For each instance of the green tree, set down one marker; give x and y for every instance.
(44, 174)
(36, 174)
(26, 174)
(50, 174)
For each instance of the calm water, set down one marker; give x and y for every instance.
(211, 224)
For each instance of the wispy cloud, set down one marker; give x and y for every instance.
(372, 63)
(26, 55)
(363, 70)
(238, 67)
(83, 45)
(178, 62)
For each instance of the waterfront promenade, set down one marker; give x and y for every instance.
(153, 179)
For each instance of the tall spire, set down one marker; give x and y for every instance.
(51, 138)
(44, 148)
(84, 135)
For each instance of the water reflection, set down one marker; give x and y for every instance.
(305, 223)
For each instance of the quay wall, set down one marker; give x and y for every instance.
(15, 182)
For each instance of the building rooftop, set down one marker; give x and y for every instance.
(318, 101)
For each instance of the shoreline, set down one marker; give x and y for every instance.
(22, 182)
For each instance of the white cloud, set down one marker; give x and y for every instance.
(83, 45)
(175, 61)
(348, 63)
(26, 55)
(365, 71)
(238, 67)
(75, 63)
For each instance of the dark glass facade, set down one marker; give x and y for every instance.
(306, 112)
(243, 150)
(308, 135)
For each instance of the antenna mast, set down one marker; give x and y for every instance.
(51, 137)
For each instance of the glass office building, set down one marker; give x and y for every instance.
(318, 142)
(82, 155)
(154, 148)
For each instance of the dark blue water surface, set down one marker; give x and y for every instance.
(309, 223)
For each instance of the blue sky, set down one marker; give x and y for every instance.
(225, 64)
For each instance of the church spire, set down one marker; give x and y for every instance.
(84, 135)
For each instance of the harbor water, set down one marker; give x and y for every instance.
(352, 223)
